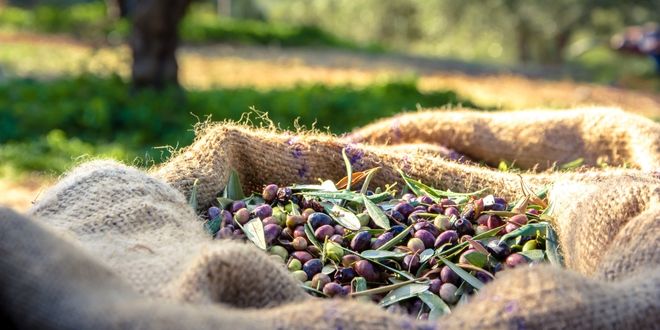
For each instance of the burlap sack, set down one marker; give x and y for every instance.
(110, 246)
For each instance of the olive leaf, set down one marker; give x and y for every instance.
(467, 277)
(224, 202)
(367, 180)
(534, 255)
(359, 284)
(402, 293)
(233, 189)
(193, 196)
(349, 169)
(310, 235)
(343, 216)
(328, 269)
(426, 255)
(438, 306)
(254, 230)
(346, 195)
(212, 226)
(378, 254)
(478, 259)
(394, 241)
(420, 189)
(526, 230)
(310, 289)
(376, 214)
(552, 249)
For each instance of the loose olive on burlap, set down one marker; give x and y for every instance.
(110, 246)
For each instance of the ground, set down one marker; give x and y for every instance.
(268, 67)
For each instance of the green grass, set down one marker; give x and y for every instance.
(201, 25)
(106, 118)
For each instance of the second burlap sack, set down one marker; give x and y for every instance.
(139, 228)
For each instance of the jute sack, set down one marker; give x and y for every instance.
(110, 246)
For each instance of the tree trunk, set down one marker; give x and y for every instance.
(154, 40)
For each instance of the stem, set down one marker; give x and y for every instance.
(387, 288)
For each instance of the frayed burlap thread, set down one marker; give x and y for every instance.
(117, 247)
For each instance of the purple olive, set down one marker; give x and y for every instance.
(404, 208)
(361, 241)
(396, 216)
(448, 293)
(428, 226)
(426, 237)
(312, 267)
(346, 289)
(324, 232)
(242, 216)
(469, 213)
(519, 219)
(463, 227)
(237, 205)
(498, 207)
(225, 232)
(365, 269)
(516, 260)
(345, 275)
(299, 243)
(284, 194)
(333, 289)
(500, 200)
(446, 202)
(226, 217)
(213, 212)
(299, 232)
(452, 211)
(307, 212)
(435, 208)
(434, 285)
(447, 275)
(303, 256)
(287, 234)
(533, 211)
(416, 216)
(411, 262)
(319, 219)
(270, 220)
(510, 227)
(497, 249)
(425, 200)
(408, 197)
(349, 259)
(271, 232)
(263, 211)
(269, 193)
(339, 230)
(420, 208)
(381, 240)
(483, 277)
(447, 236)
(494, 222)
(320, 280)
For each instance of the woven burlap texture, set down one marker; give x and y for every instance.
(117, 247)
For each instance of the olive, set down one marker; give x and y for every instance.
(324, 232)
(463, 227)
(280, 215)
(299, 243)
(425, 200)
(499, 250)
(365, 269)
(263, 211)
(381, 240)
(446, 202)
(280, 251)
(294, 264)
(312, 267)
(515, 260)
(242, 216)
(411, 262)
(284, 194)
(448, 293)
(448, 236)
(361, 241)
(396, 216)
(442, 222)
(519, 219)
(337, 239)
(307, 212)
(299, 275)
(320, 280)
(404, 208)
(416, 245)
(345, 275)
(333, 289)
(447, 275)
(213, 212)
(237, 205)
(452, 211)
(349, 259)
(269, 193)
(303, 256)
(225, 232)
(530, 245)
(339, 230)
(428, 226)
(426, 237)
(434, 285)
(435, 209)
(270, 220)
(299, 232)
(271, 232)
(293, 220)
(318, 219)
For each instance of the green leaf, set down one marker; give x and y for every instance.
(405, 292)
(394, 241)
(572, 164)
(346, 195)
(534, 255)
(552, 247)
(310, 289)
(295, 209)
(359, 284)
(478, 259)
(426, 255)
(378, 254)
(467, 277)
(438, 306)
(193, 196)
(367, 180)
(233, 189)
(376, 214)
(328, 269)
(529, 229)
(224, 202)
(343, 216)
(349, 169)
(254, 230)
(212, 226)
(420, 189)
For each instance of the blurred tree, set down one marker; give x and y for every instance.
(153, 41)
